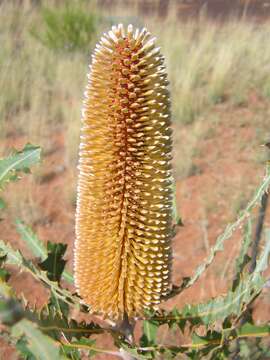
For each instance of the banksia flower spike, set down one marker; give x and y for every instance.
(124, 206)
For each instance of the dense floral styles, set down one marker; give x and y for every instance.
(124, 206)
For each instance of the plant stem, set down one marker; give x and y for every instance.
(254, 252)
(258, 232)
(126, 328)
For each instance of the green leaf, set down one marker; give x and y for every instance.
(54, 264)
(10, 311)
(68, 277)
(243, 257)
(5, 289)
(71, 353)
(18, 161)
(140, 355)
(211, 337)
(234, 303)
(262, 262)
(40, 345)
(37, 246)
(3, 204)
(251, 330)
(32, 241)
(149, 337)
(218, 246)
(54, 320)
(176, 218)
(21, 346)
(13, 257)
(83, 344)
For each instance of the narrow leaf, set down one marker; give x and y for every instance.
(21, 346)
(3, 204)
(68, 277)
(32, 241)
(37, 247)
(149, 337)
(18, 161)
(218, 246)
(138, 355)
(40, 345)
(53, 319)
(234, 303)
(84, 344)
(54, 264)
(10, 311)
(243, 258)
(5, 289)
(251, 330)
(211, 337)
(13, 257)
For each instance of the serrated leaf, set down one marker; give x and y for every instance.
(4, 274)
(84, 344)
(149, 337)
(5, 289)
(71, 353)
(230, 229)
(135, 352)
(243, 258)
(262, 263)
(66, 275)
(10, 311)
(32, 241)
(40, 345)
(234, 303)
(54, 320)
(18, 161)
(199, 341)
(13, 257)
(54, 264)
(21, 346)
(37, 247)
(251, 330)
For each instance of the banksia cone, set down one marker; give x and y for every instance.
(124, 207)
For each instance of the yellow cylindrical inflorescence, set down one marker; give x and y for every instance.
(124, 207)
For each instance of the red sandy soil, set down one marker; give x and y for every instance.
(206, 200)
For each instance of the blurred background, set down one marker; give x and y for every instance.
(218, 59)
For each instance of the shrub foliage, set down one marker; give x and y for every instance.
(53, 333)
(69, 28)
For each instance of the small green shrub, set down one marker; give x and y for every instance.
(69, 28)
(52, 332)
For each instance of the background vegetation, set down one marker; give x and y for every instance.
(220, 85)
